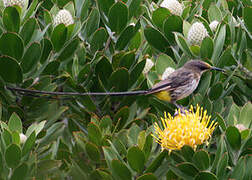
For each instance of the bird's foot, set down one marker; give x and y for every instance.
(180, 109)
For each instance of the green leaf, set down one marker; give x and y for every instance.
(59, 36)
(221, 122)
(164, 61)
(226, 59)
(127, 60)
(222, 165)
(246, 114)
(10, 70)
(47, 166)
(28, 30)
(183, 45)
(106, 123)
(105, 5)
(99, 39)
(92, 152)
(1, 162)
(219, 41)
(206, 176)
(31, 10)
(29, 143)
(172, 24)
(159, 16)
(204, 83)
(121, 117)
(239, 169)
(214, 13)
(120, 170)
(11, 19)
(20, 172)
(69, 50)
(51, 68)
(134, 8)
(7, 138)
(215, 91)
(104, 69)
(31, 57)
(12, 155)
(188, 169)
(136, 159)
(94, 133)
(15, 123)
(187, 152)
(12, 45)
(125, 37)
(206, 48)
(47, 48)
(156, 163)
(156, 39)
(119, 79)
(92, 23)
(136, 72)
(15, 137)
(118, 17)
(147, 176)
(247, 15)
(234, 137)
(201, 159)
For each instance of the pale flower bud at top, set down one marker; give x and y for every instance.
(148, 65)
(196, 33)
(23, 138)
(21, 3)
(173, 6)
(240, 127)
(167, 72)
(63, 16)
(213, 25)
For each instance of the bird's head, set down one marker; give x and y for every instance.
(200, 66)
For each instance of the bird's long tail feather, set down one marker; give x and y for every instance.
(127, 93)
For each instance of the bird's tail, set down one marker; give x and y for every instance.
(29, 91)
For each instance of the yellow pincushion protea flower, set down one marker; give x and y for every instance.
(191, 128)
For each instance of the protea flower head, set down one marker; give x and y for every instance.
(191, 128)
(21, 3)
(174, 6)
(149, 64)
(196, 33)
(213, 25)
(167, 72)
(63, 16)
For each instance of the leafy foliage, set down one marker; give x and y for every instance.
(102, 137)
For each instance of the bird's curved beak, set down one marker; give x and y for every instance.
(217, 69)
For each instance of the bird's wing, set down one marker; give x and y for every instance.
(176, 79)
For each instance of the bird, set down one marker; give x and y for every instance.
(178, 85)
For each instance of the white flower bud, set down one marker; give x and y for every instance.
(240, 127)
(167, 72)
(196, 33)
(148, 65)
(63, 16)
(23, 138)
(213, 25)
(173, 6)
(21, 3)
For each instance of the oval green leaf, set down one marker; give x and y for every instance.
(247, 15)
(94, 133)
(28, 30)
(29, 143)
(120, 170)
(98, 40)
(118, 17)
(172, 24)
(69, 50)
(159, 16)
(12, 155)
(119, 79)
(206, 176)
(12, 45)
(92, 152)
(59, 36)
(216, 91)
(206, 48)
(15, 123)
(164, 61)
(31, 57)
(10, 70)
(136, 159)
(201, 159)
(234, 137)
(11, 19)
(20, 172)
(156, 39)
